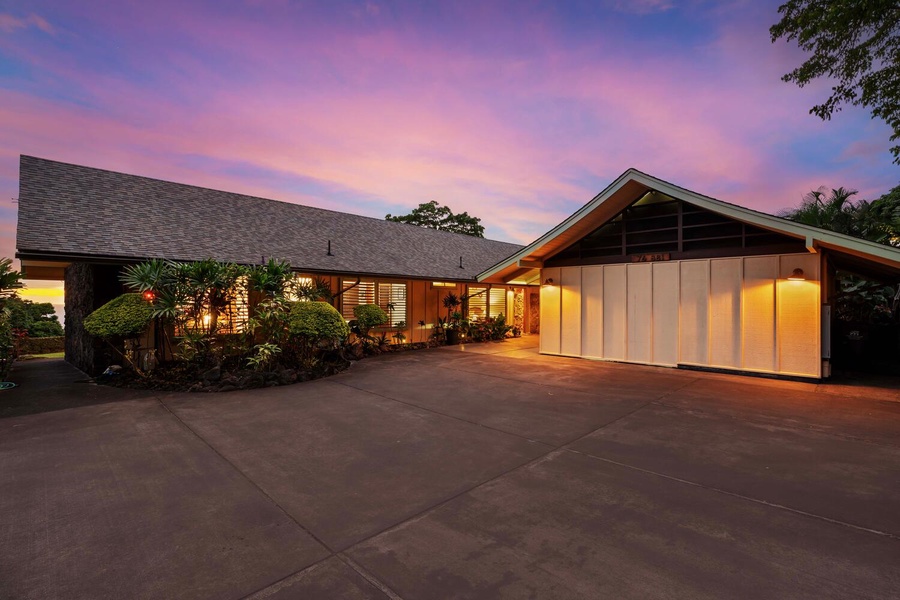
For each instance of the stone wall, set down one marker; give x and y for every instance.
(79, 295)
(87, 288)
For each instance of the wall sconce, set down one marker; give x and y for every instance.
(548, 282)
(797, 275)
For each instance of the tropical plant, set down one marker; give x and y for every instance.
(263, 356)
(10, 280)
(270, 279)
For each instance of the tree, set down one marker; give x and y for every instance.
(854, 42)
(435, 216)
(836, 212)
(37, 318)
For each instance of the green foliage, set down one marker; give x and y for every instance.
(435, 216)
(10, 280)
(270, 279)
(264, 356)
(37, 318)
(369, 316)
(316, 327)
(856, 45)
(489, 328)
(317, 321)
(123, 317)
(7, 344)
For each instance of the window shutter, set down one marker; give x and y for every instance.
(394, 294)
(355, 295)
(497, 303)
(478, 298)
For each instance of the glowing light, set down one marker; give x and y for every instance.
(797, 275)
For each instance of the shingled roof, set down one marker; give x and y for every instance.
(72, 212)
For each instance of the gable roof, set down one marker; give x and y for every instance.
(849, 252)
(69, 212)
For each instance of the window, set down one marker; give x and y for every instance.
(355, 295)
(442, 284)
(486, 302)
(478, 298)
(391, 297)
(497, 302)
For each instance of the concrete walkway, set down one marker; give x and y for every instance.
(484, 471)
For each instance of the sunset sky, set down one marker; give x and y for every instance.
(517, 112)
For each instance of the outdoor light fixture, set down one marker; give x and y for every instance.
(149, 295)
(548, 282)
(797, 275)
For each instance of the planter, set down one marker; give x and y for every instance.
(452, 337)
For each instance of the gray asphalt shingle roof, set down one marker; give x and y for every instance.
(67, 209)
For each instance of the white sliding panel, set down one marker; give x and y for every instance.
(592, 312)
(798, 317)
(694, 312)
(550, 312)
(614, 307)
(570, 327)
(758, 321)
(725, 279)
(640, 312)
(665, 313)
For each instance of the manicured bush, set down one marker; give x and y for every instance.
(369, 316)
(317, 321)
(125, 316)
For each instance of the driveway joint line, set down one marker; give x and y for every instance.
(246, 477)
(368, 576)
(797, 511)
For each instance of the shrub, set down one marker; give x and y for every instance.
(317, 321)
(125, 316)
(369, 316)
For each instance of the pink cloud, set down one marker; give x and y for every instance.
(10, 23)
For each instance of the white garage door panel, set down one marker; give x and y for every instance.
(694, 313)
(798, 328)
(550, 312)
(665, 313)
(614, 306)
(725, 313)
(570, 328)
(758, 321)
(592, 312)
(639, 312)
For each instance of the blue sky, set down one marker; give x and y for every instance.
(517, 112)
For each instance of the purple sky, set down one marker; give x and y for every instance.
(517, 112)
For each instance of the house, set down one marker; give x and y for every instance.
(82, 225)
(648, 272)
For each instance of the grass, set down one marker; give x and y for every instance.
(49, 355)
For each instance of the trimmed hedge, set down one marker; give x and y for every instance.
(317, 321)
(369, 315)
(42, 345)
(125, 316)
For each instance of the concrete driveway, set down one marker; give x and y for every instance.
(479, 472)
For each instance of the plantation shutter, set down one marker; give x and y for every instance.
(478, 298)
(497, 305)
(355, 295)
(395, 295)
